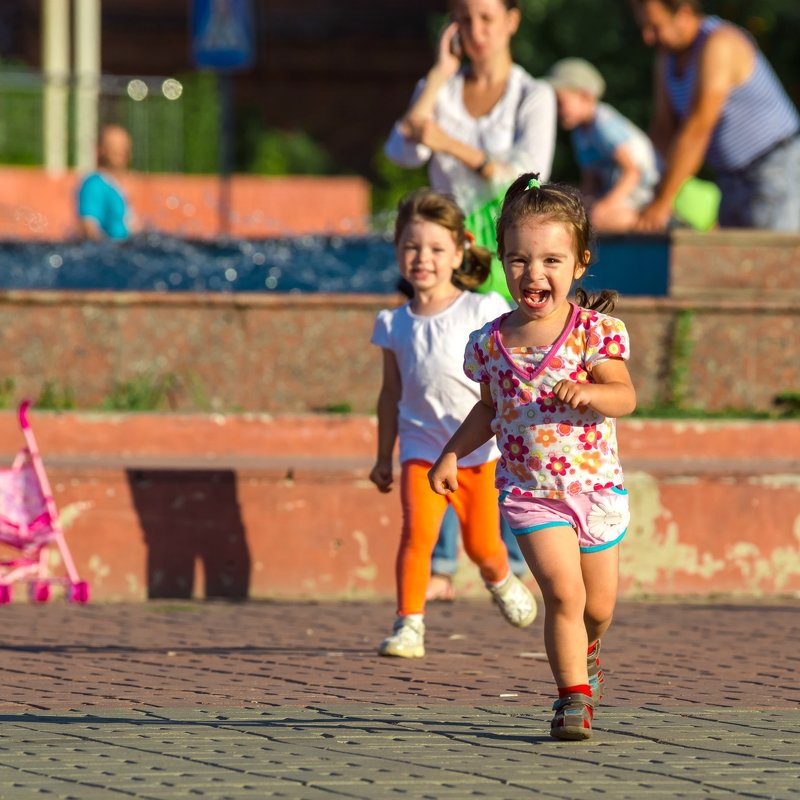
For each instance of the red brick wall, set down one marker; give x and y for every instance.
(301, 353)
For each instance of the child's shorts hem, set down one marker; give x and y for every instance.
(593, 549)
(534, 528)
(600, 518)
(598, 547)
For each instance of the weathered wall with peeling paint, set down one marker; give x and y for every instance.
(267, 506)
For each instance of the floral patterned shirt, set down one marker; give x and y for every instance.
(547, 448)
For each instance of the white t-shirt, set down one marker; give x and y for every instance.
(519, 132)
(436, 394)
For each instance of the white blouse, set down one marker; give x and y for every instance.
(519, 133)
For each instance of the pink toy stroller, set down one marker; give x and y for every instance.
(29, 523)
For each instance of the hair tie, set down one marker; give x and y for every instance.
(469, 237)
(533, 184)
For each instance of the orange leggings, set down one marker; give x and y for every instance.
(475, 504)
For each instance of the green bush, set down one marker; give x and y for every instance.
(21, 102)
(389, 184)
(7, 387)
(201, 114)
(55, 398)
(289, 153)
(143, 393)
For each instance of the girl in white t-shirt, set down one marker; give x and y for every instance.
(423, 399)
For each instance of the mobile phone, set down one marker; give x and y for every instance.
(455, 45)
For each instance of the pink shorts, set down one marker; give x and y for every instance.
(599, 518)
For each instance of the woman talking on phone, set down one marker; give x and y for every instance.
(478, 126)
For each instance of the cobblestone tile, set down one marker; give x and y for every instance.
(216, 700)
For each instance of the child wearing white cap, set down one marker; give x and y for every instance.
(619, 168)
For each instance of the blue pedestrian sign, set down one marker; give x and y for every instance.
(222, 34)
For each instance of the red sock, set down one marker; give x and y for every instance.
(592, 649)
(581, 688)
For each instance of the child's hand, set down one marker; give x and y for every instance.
(574, 394)
(382, 476)
(443, 475)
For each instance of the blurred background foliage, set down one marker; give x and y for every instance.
(183, 136)
(605, 33)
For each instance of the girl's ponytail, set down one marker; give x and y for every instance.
(603, 301)
(475, 267)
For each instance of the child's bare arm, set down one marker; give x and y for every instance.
(382, 474)
(612, 394)
(629, 175)
(474, 431)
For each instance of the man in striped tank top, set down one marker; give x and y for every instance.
(719, 102)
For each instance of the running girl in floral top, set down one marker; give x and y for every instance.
(553, 377)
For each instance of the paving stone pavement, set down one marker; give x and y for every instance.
(277, 699)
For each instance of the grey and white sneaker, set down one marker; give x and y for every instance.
(407, 639)
(515, 601)
(597, 680)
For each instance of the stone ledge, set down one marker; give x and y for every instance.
(320, 436)
(345, 469)
(734, 237)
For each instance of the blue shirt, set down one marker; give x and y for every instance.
(101, 199)
(594, 145)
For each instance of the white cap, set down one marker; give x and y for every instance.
(576, 73)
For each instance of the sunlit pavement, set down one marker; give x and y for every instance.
(274, 699)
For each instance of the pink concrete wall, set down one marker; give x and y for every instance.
(268, 506)
(34, 205)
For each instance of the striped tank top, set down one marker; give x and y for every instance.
(756, 116)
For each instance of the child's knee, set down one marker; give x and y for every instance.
(599, 612)
(567, 596)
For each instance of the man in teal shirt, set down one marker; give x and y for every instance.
(102, 207)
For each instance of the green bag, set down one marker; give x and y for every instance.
(697, 204)
(482, 223)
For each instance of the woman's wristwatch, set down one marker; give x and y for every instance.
(482, 166)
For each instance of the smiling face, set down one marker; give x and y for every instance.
(428, 256)
(486, 27)
(540, 263)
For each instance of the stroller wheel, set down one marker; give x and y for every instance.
(40, 592)
(79, 592)
(5, 594)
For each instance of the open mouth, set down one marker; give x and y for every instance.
(535, 298)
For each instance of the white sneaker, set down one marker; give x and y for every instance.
(407, 639)
(516, 602)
